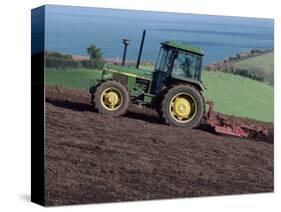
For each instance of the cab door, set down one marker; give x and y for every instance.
(163, 69)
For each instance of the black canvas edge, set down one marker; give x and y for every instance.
(38, 108)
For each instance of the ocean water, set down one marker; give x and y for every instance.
(73, 29)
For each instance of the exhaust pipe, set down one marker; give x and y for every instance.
(126, 43)
(141, 47)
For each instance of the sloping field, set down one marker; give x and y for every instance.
(73, 78)
(92, 157)
(264, 62)
(239, 96)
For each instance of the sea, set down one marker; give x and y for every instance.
(71, 30)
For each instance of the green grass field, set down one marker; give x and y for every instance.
(239, 96)
(79, 79)
(265, 62)
(234, 95)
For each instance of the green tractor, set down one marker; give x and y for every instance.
(174, 88)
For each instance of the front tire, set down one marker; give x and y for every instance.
(112, 98)
(182, 106)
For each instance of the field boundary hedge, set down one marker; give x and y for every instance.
(63, 61)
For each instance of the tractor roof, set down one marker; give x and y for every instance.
(184, 46)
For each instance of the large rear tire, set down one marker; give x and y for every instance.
(112, 98)
(182, 106)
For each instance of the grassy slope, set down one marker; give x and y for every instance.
(265, 62)
(232, 94)
(236, 95)
(79, 79)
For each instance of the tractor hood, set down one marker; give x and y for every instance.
(129, 71)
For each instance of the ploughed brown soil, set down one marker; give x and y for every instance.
(92, 157)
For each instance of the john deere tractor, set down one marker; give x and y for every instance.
(174, 87)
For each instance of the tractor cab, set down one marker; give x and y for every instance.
(178, 61)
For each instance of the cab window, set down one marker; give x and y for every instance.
(187, 65)
(164, 59)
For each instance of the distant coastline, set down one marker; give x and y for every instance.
(212, 66)
(217, 65)
(80, 58)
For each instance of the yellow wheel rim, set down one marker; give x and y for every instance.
(183, 107)
(111, 98)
